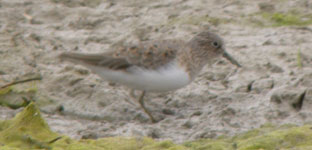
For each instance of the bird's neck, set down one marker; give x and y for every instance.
(191, 62)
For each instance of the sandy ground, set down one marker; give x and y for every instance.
(270, 88)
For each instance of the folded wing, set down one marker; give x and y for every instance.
(99, 60)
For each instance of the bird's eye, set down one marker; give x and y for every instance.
(215, 44)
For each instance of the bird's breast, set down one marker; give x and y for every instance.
(166, 78)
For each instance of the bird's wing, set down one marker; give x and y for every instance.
(100, 60)
(149, 55)
(152, 54)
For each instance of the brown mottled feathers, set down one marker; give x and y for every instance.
(97, 60)
(149, 55)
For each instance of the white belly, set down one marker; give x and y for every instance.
(167, 78)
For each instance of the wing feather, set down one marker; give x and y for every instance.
(148, 55)
(96, 60)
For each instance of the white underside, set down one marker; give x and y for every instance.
(167, 78)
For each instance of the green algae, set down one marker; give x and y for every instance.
(28, 130)
(268, 137)
(286, 138)
(288, 19)
(16, 96)
(20, 95)
(259, 19)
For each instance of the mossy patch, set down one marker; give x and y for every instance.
(291, 18)
(28, 130)
(19, 95)
(288, 19)
(268, 137)
(259, 19)
(16, 95)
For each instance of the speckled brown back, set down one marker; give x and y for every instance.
(150, 55)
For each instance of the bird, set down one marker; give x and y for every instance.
(156, 65)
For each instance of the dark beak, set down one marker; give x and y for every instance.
(231, 59)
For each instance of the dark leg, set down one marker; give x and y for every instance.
(141, 101)
(133, 97)
(132, 93)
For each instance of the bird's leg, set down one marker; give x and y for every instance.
(132, 93)
(132, 98)
(141, 101)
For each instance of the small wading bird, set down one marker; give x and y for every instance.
(155, 66)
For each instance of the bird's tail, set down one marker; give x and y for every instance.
(81, 58)
(98, 60)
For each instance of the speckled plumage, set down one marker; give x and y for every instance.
(192, 55)
(155, 66)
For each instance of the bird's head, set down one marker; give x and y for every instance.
(210, 45)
